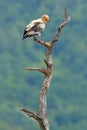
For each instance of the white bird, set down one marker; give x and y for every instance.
(35, 27)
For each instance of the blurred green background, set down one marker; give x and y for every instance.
(67, 96)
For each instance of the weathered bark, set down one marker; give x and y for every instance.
(40, 115)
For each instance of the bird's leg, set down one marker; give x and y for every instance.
(36, 37)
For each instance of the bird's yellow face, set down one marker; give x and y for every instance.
(45, 18)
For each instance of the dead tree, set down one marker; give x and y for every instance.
(40, 116)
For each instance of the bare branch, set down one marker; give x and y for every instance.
(29, 113)
(65, 13)
(46, 44)
(64, 22)
(42, 70)
(42, 122)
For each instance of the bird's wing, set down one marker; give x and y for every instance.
(33, 23)
(32, 26)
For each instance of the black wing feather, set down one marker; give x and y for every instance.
(28, 32)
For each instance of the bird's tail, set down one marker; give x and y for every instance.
(24, 36)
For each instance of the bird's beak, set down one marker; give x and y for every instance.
(48, 20)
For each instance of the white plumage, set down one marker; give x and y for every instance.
(35, 27)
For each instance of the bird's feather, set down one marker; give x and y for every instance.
(35, 27)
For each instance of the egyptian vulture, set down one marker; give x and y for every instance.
(35, 27)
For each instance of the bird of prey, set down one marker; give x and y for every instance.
(35, 27)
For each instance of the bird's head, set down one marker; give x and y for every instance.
(45, 18)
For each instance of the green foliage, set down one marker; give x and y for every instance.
(67, 97)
